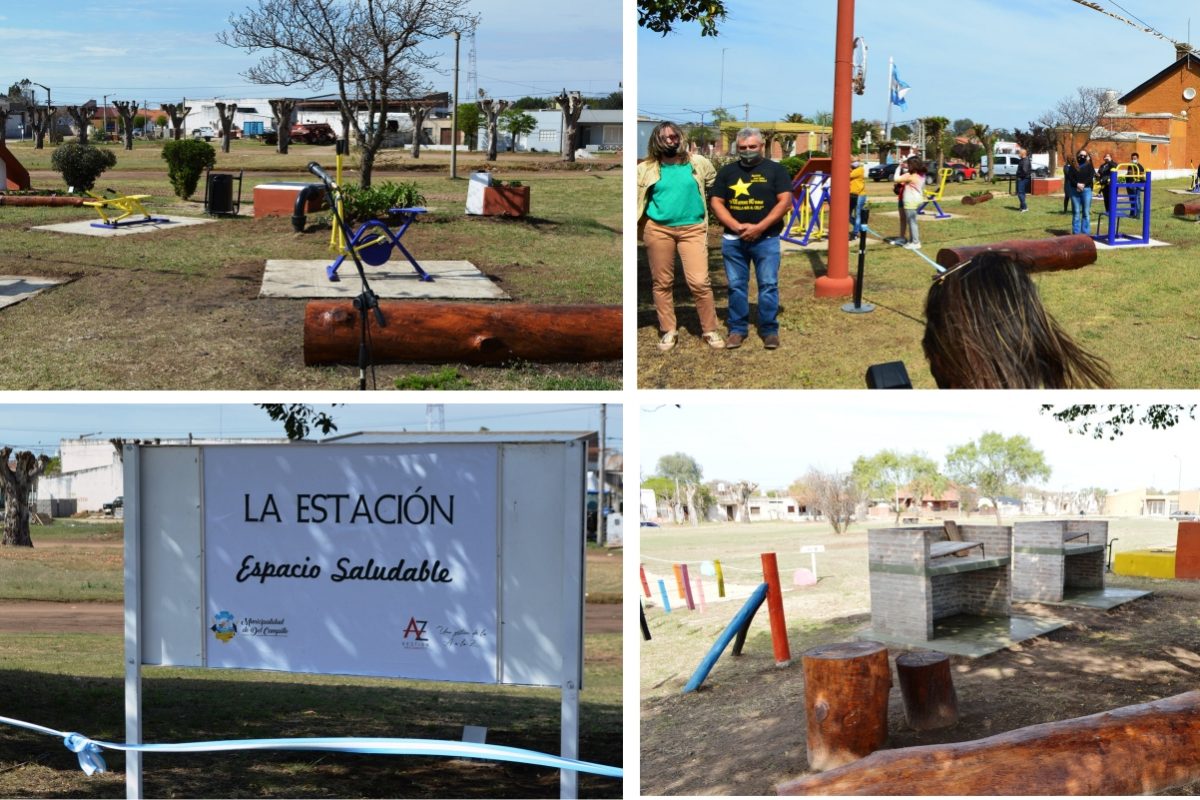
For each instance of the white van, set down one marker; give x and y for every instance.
(1006, 164)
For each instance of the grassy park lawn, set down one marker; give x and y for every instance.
(1145, 650)
(1132, 306)
(179, 309)
(74, 681)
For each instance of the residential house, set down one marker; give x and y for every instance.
(1145, 502)
(598, 131)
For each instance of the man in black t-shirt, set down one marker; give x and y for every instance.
(750, 198)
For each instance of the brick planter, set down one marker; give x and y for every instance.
(506, 201)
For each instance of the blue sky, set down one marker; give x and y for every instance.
(40, 426)
(162, 50)
(829, 430)
(1000, 63)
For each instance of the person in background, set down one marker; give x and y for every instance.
(1136, 174)
(912, 194)
(750, 197)
(986, 328)
(673, 220)
(899, 190)
(1079, 177)
(1024, 174)
(1104, 175)
(858, 196)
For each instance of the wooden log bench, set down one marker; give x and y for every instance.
(845, 702)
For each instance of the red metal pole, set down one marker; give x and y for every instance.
(783, 654)
(645, 585)
(836, 282)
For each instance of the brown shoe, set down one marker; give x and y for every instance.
(734, 340)
(771, 341)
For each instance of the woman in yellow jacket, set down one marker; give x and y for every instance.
(673, 218)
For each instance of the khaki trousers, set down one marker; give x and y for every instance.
(690, 242)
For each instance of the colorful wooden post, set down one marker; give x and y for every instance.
(662, 588)
(720, 578)
(679, 581)
(783, 653)
(687, 587)
(645, 586)
(700, 592)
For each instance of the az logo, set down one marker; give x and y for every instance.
(416, 627)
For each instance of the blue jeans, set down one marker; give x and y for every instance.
(765, 256)
(1022, 190)
(857, 203)
(1081, 209)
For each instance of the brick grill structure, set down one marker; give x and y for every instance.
(1053, 556)
(912, 586)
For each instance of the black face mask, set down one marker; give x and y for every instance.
(670, 150)
(750, 158)
(1082, 159)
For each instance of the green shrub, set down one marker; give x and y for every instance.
(445, 378)
(186, 159)
(81, 164)
(360, 205)
(792, 164)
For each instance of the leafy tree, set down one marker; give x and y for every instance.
(614, 101)
(662, 16)
(994, 465)
(885, 147)
(298, 418)
(1108, 421)
(469, 118)
(934, 126)
(835, 495)
(721, 115)
(662, 487)
(516, 123)
(186, 159)
(17, 483)
(961, 126)
(794, 117)
(530, 104)
(687, 473)
(1038, 139)
(901, 133)
(81, 164)
(888, 472)
(823, 118)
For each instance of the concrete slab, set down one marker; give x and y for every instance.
(1184, 191)
(15, 288)
(1152, 243)
(1103, 599)
(972, 636)
(929, 216)
(452, 280)
(84, 227)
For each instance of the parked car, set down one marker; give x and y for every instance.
(206, 133)
(110, 509)
(313, 133)
(1182, 515)
(968, 172)
(649, 524)
(882, 172)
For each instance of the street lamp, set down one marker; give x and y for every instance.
(722, 103)
(454, 115)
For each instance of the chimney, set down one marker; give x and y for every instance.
(1182, 49)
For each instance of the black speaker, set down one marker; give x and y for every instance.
(891, 375)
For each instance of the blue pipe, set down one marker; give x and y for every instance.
(740, 620)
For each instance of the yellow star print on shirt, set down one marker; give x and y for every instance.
(740, 188)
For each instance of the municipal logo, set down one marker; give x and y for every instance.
(223, 626)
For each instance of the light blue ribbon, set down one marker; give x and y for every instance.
(91, 759)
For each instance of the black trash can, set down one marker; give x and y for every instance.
(220, 193)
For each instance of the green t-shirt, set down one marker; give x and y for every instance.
(675, 200)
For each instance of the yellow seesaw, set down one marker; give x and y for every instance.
(126, 206)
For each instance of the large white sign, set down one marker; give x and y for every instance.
(364, 560)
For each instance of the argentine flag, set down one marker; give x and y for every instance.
(899, 89)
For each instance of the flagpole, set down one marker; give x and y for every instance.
(887, 126)
(836, 282)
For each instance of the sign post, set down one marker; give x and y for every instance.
(812, 550)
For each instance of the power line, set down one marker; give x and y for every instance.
(1145, 28)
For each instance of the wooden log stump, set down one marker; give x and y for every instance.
(975, 199)
(1188, 209)
(470, 333)
(845, 702)
(1139, 749)
(928, 690)
(1042, 255)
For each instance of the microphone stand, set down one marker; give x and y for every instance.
(367, 300)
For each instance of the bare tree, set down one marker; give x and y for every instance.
(417, 111)
(744, 490)
(225, 112)
(492, 109)
(40, 120)
(82, 117)
(281, 111)
(178, 113)
(368, 49)
(571, 104)
(1075, 118)
(128, 110)
(18, 484)
(836, 496)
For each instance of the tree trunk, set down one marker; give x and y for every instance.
(1043, 255)
(1187, 209)
(928, 690)
(1141, 749)
(225, 112)
(128, 110)
(439, 333)
(571, 104)
(417, 114)
(17, 483)
(78, 115)
(976, 199)
(845, 702)
(281, 112)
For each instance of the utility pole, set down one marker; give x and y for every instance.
(747, 118)
(454, 115)
(721, 104)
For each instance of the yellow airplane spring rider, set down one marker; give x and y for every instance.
(126, 206)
